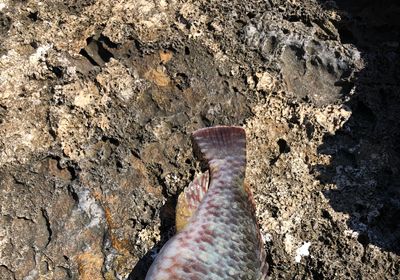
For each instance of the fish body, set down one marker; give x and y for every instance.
(219, 238)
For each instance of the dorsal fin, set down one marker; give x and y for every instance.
(190, 198)
(263, 255)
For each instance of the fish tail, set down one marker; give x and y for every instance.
(221, 143)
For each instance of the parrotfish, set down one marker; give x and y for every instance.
(218, 235)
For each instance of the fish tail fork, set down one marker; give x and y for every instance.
(226, 143)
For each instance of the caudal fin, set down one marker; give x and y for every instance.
(221, 142)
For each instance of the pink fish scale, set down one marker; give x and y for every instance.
(221, 239)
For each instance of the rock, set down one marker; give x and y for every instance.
(98, 100)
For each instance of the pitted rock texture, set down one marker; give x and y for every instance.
(98, 100)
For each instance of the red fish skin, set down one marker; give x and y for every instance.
(222, 239)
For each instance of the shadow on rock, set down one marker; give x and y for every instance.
(366, 151)
(167, 230)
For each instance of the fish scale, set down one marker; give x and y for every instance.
(221, 239)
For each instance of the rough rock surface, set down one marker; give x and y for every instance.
(98, 100)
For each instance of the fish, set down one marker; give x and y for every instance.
(217, 235)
